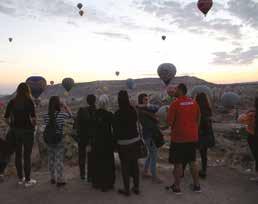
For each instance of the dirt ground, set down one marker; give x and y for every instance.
(223, 186)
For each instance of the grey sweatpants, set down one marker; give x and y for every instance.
(56, 162)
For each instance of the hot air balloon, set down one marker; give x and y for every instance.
(81, 12)
(52, 83)
(37, 85)
(201, 89)
(68, 84)
(166, 72)
(117, 73)
(163, 37)
(79, 5)
(230, 99)
(130, 84)
(10, 39)
(204, 6)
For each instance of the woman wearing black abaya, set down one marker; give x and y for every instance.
(103, 177)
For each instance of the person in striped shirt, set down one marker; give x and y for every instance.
(59, 112)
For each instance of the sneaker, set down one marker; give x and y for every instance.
(174, 189)
(136, 191)
(30, 183)
(124, 192)
(21, 181)
(146, 175)
(60, 184)
(196, 188)
(156, 180)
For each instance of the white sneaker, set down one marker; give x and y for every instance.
(30, 183)
(21, 181)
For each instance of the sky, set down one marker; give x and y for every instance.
(52, 40)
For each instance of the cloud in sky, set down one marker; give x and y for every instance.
(236, 56)
(114, 35)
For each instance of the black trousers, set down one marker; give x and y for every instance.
(130, 168)
(204, 159)
(253, 144)
(23, 150)
(83, 156)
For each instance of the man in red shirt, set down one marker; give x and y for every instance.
(183, 118)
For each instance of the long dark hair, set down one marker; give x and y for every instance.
(53, 107)
(204, 104)
(256, 117)
(123, 100)
(23, 93)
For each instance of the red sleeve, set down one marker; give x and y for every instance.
(172, 114)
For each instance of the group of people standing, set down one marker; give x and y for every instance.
(100, 133)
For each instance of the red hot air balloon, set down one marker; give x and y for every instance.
(204, 6)
(81, 12)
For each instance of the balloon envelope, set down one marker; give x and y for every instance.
(79, 5)
(230, 99)
(10, 39)
(163, 37)
(204, 6)
(52, 82)
(201, 89)
(37, 85)
(117, 73)
(68, 84)
(130, 84)
(81, 12)
(166, 72)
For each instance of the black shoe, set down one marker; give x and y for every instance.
(202, 174)
(53, 181)
(60, 184)
(196, 188)
(174, 189)
(136, 191)
(124, 192)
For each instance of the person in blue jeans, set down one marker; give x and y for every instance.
(149, 123)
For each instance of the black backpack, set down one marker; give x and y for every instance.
(51, 137)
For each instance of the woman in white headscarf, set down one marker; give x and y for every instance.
(103, 148)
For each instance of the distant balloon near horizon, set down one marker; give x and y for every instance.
(79, 5)
(10, 39)
(130, 84)
(68, 84)
(37, 85)
(81, 12)
(166, 72)
(164, 37)
(52, 83)
(117, 73)
(201, 89)
(204, 6)
(230, 100)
